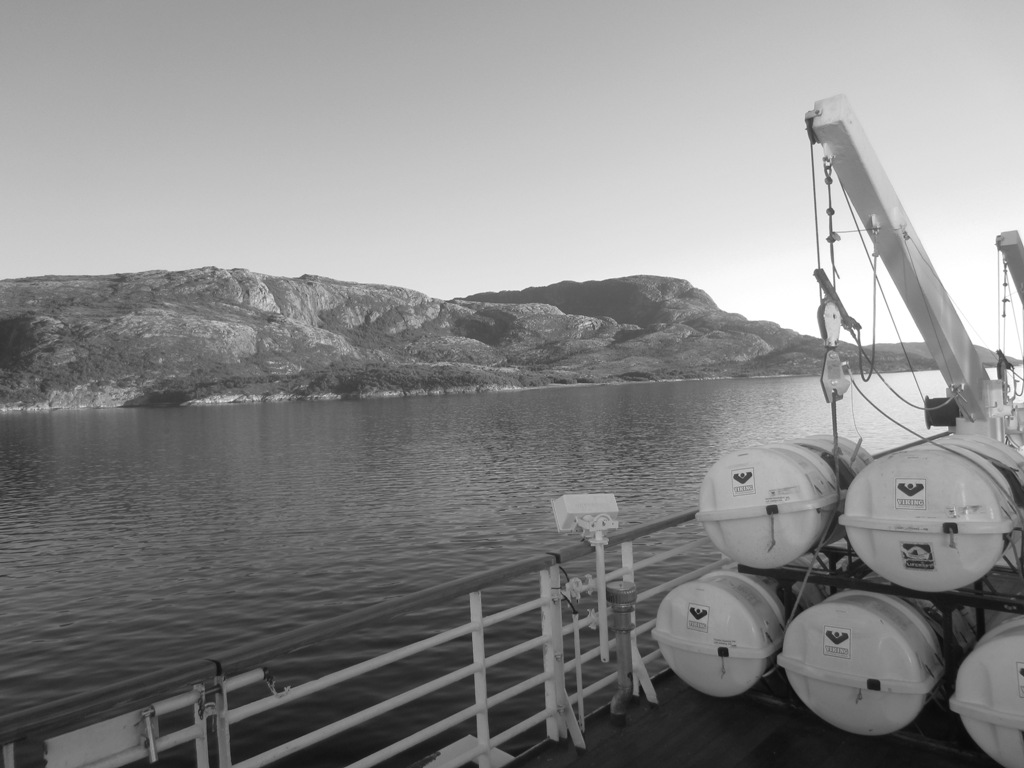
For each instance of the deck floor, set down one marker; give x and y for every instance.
(691, 729)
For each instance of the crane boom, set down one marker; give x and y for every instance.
(833, 125)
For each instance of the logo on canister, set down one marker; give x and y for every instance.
(910, 493)
(697, 617)
(836, 641)
(743, 481)
(917, 556)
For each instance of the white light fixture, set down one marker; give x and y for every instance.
(593, 513)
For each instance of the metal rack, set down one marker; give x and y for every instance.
(839, 568)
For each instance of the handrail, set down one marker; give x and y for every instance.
(92, 706)
(87, 708)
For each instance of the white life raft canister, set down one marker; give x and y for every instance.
(935, 518)
(720, 633)
(864, 662)
(765, 506)
(989, 693)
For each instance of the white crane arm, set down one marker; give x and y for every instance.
(834, 126)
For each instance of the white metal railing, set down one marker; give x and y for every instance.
(112, 736)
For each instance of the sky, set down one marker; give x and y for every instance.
(454, 147)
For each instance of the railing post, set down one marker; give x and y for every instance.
(223, 729)
(9, 755)
(551, 628)
(483, 728)
(641, 678)
(202, 742)
(563, 722)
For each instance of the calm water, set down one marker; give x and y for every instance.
(130, 538)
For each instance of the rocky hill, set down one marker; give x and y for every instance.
(217, 335)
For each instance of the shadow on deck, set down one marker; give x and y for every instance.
(691, 729)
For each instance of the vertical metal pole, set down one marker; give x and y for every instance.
(950, 648)
(602, 603)
(626, 551)
(223, 729)
(551, 629)
(199, 718)
(483, 729)
(629, 577)
(622, 596)
(582, 719)
(148, 718)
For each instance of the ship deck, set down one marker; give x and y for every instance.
(688, 728)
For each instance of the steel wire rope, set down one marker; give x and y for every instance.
(832, 237)
(870, 402)
(1020, 342)
(1002, 299)
(935, 275)
(960, 313)
(856, 427)
(933, 321)
(829, 527)
(1007, 298)
(876, 290)
(814, 204)
(853, 415)
(876, 287)
(835, 419)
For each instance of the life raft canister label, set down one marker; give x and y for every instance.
(836, 641)
(697, 617)
(743, 481)
(910, 493)
(917, 556)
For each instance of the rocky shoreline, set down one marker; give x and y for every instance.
(103, 399)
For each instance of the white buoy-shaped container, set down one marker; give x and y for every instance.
(721, 632)
(864, 662)
(989, 693)
(765, 506)
(935, 517)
